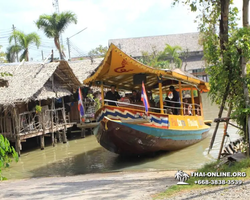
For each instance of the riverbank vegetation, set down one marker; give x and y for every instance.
(242, 166)
(226, 53)
(5, 151)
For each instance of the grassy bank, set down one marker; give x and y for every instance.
(242, 166)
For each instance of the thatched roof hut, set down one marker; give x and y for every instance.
(33, 81)
(83, 68)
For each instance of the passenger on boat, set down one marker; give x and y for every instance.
(187, 107)
(135, 97)
(167, 102)
(112, 95)
(168, 105)
(176, 98)
(198, 111)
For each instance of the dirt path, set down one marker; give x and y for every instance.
(135, 185)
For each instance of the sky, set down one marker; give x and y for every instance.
(101, 19)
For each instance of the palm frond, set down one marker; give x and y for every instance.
(53, 25)
(47, 24)
(64, 19)
(33, 38)
(19, 36)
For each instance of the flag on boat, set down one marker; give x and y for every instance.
(144, 97)
(80, 104)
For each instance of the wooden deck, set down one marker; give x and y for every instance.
(40, 132)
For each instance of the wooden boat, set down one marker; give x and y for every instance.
(126, 128)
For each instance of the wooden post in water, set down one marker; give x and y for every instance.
(42, 143)
(83, 132)
(192, 96)
(58, 136)
(225, 130)
(52, 109)
(18, 144)
(65, 122)
(52, 128)
(180, 91)
(64, 134)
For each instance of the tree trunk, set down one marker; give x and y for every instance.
(245, 16)
(224, 23)
(27, 55)
(58, 46)
(224, 4)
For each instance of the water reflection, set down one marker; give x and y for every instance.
(81, 156)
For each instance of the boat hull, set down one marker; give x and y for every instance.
(133, 139)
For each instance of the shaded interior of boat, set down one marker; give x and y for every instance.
(127, 74)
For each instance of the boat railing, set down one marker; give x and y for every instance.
(122, 104)
(166, 107)
(197, 107)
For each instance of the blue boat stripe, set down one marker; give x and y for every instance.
(168, 133)
(192, 137)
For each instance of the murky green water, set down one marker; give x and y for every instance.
(81, 156)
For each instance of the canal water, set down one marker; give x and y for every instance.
(85, 155)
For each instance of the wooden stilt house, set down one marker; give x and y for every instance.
(32, 101)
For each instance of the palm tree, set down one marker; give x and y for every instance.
(11, 52)
(55, 24)
(23, 43)
(172, 53)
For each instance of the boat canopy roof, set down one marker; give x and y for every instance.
(118, 68)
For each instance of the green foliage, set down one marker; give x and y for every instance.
(5, 151)
(97, 104)
(5, 74)
(5, 148)
(55, 24)
(97, 101)
(23, 43)
(224, 62)
(99, 51)
(168, 58)
(2, 56)
(38, 108)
